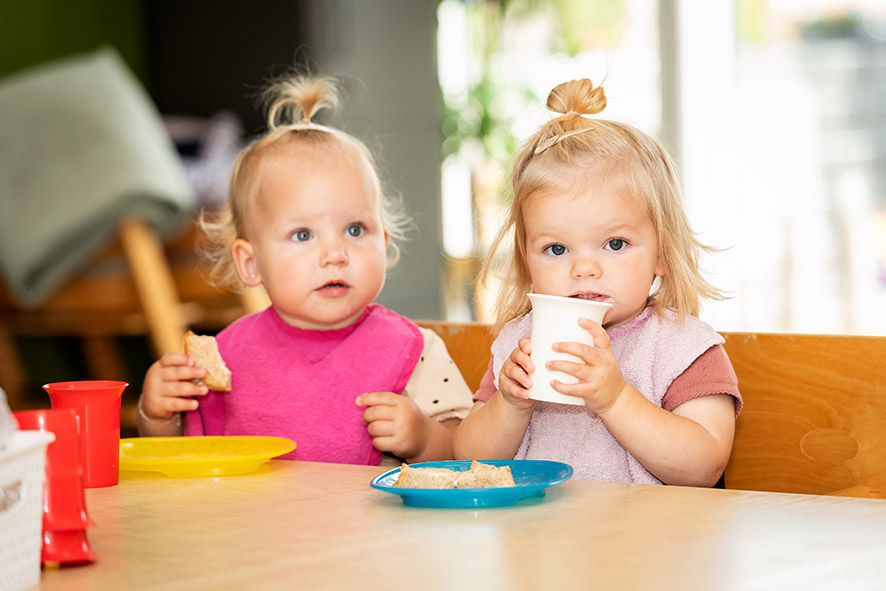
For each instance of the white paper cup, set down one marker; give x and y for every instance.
(555, 320)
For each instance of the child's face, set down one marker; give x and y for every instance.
(594, 244)
(315, 238)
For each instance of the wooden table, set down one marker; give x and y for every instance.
(301, 525)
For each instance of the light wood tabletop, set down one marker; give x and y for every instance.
(302, 525)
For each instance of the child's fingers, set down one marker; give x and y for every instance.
(379, 412)
(376, 398)
(380, 428)
(175, 404)
(175, 358)
(568, 389)
(385, 443)
(161, 407)
(576, 370)
(516, 373)
(601, 338)
(525, 345)
(194, 388)
(521, 359)
(584, 352)
(182, 373)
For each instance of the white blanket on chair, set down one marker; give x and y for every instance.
(82, 146)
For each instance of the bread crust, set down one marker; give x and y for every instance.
(203, 349)
(479, 476)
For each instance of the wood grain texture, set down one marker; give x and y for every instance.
(814, 419)
(304, 525)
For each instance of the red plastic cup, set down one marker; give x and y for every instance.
(97, 403)
(66, 546)
(64, 506)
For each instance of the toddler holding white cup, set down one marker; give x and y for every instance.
(597, 215)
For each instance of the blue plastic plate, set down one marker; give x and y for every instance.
(532, 477)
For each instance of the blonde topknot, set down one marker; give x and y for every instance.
(297, 99)
(577, 97)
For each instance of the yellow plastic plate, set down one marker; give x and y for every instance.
(200, 456)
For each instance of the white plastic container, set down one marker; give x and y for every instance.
(21, 508)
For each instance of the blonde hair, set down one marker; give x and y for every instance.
(291, 102)
(632, 163)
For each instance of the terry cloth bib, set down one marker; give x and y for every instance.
(651, 352)
(302, 384)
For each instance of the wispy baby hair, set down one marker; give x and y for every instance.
(291, 103)
(574, 150)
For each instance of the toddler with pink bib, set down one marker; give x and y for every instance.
(344, 377)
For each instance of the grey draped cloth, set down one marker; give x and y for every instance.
(82, 146)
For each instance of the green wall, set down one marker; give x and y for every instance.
(37, 31)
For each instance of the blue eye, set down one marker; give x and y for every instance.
(301, 235)
(616, 244)
(556, 250)
(356, 230)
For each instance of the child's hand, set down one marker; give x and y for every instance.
(168, 386)
(514, 380)
(395, 423)
(600, 380)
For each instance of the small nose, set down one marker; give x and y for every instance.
(334, 253)
(585, 266)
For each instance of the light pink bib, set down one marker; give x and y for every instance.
(651, 353)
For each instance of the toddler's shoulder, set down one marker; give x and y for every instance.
(515, 330)
(689, 325)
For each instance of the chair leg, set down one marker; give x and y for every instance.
(155, 285)
(12, 373)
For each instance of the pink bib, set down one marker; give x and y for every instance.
(302, 384)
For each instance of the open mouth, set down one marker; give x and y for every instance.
(593, 297)
(334, 285)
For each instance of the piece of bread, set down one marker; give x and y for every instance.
(425, 477)
(485, 476)
(204, 351)
(479, 476)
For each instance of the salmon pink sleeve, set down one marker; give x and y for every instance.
(710, 373)
(487, 386)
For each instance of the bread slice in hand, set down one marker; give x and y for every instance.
(204, 351)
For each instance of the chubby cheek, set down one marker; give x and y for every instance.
(374, 268)
(548, 277)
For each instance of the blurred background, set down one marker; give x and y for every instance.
(774, 109)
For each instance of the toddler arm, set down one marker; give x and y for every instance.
(689, 446)
(494, 429)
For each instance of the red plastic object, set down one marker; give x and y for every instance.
(97, 403)
(64, 506)
(66, 546)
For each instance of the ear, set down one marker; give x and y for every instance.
(244, 259)
(660, 267)
(387, 238)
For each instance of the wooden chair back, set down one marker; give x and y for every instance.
(814, 418)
